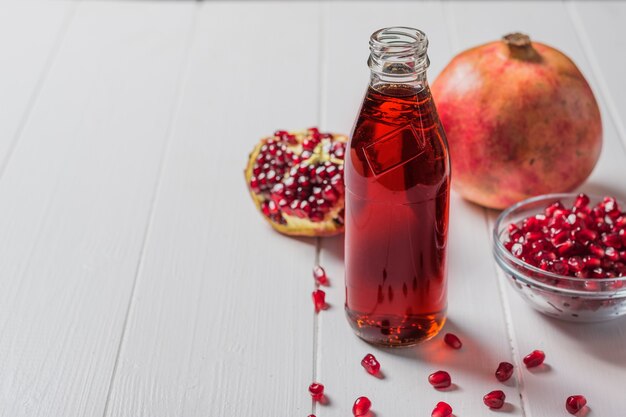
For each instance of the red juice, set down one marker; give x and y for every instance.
(397, 175)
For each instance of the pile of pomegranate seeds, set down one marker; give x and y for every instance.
(579, 241)
(319, 274)
(453, 341)
(442, 410)
(319, 300)
(575, 403)
(504, 371)
(317, 391)
(297, 176)
(495, 399)
(370, 363)
(361, 406)
(534, 358)
(440, 379)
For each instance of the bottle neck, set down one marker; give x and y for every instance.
(398, 57)
(414, 84)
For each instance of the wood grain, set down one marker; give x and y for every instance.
(30, 35)
(222, 321)
(578, 356)
(136, 278)
(595, 23)
(76, 199)
(475, 311)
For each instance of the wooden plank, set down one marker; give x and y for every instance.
(222, 322)
(475, 312)
(75, 202)
(597, 25)
(581, 358)
(30, 34)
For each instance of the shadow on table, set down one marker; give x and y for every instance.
(332, 246)
(470, 358)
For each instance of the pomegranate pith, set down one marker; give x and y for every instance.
(575, 403)
(442, 409)
(361, 406)
(453, 341)
(296, 181)
(440, 379)
(534, 358)
(494, 399)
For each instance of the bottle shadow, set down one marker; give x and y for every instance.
(438, 355)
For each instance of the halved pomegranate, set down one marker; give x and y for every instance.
(296, 181)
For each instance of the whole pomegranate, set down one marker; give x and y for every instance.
(521, 120)
(296, 181)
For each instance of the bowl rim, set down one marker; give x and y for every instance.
(502, 252)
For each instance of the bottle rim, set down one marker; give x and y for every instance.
(398, 51)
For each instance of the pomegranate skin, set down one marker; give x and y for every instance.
(521, 120)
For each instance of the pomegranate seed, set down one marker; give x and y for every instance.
(584, 242)
(565, 247)
(560, 267)
(611, 254)
(495, 399)
(317, 391)
(453, 341)
(319, 274)
(591, 262)
(361, 406)
(612, 239)
(370, 364)
(441, 410)
(504, 371)
(575, 263)
(534, 359)
(319, 300)
(552, 208)
(581, 201)
(575, 403)
(440, 379)
(532, 236)
(596, 250)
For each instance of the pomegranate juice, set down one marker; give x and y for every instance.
(397, 176)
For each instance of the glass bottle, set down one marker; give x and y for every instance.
(397, 174)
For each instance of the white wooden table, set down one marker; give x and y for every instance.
(136, 278)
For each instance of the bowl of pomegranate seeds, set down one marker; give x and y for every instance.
(565, 254)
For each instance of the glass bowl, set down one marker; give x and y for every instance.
(563, 297)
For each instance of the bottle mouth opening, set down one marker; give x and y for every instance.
(398, 51)
(399, 39)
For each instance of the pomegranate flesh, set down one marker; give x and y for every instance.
(521, 120)
(296, 181)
